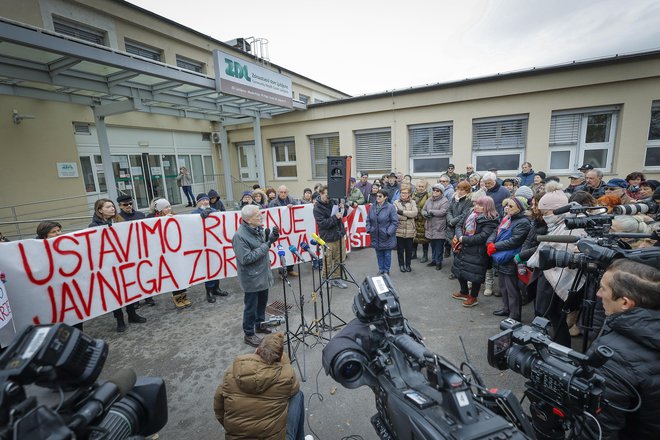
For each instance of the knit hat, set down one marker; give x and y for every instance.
(161, 204)
(541, 174)
(246, 193)
(353, 179)
(439, 186)
(202, 196)
(553, 200)
(525, 191)
(521, 202)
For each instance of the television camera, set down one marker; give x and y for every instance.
(48, 358)
(563, 388)
(418, 394)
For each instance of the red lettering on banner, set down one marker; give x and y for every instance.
(122, 269)
(295, 219)
(67, 296)
(56, 247)
(28, 269)
(114, 290)
(208, 263)
(86, 234)
(162, 268)
(123, 251)
(179, 236)
(153, 283)
(229, 260)
(226, 232)
(86, 305)
(108, 246)
(5, 311)
(157, 230)
(270, 220)
(209, 223)
(198, 253)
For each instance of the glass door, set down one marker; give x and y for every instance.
(139, 182)
(171, 170)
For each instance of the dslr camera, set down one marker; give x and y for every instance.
(48, 358)
(419, 395)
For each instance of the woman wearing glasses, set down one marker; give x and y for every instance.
(382, 223)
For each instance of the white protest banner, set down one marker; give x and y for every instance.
(5, 308)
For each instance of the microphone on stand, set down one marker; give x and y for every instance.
(282, 254)
(318, 239)
(295, 252)
(305, 247)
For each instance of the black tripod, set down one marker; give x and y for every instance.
(292, 353)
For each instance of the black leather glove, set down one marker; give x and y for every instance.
(399, 211)
(205, 213)
(274, 235)
(430, 214)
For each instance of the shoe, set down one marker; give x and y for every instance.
(121, 325)
(219, 292)
(488, 291)
(380, 273)
(414, 254)
(452, 276)
(497, 294)
(252, 340)
(339, 283)
(461, 296)
(470, 302)
(438, 266)
(184, 299)
(209, 295)
(150, 302)
(292, 273)
(265, 330)
(136, 319)
(408, 268)
(136, 305)
(447, 253)
(501, 313)
(402, 268)
(178, 301)
(424, 259)
(431, 264)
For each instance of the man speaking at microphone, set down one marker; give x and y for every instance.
(251, 245)
(328, 216)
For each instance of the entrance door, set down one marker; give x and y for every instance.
(171, 172)
(247, 162)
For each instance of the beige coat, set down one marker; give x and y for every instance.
(406, 228)
(252, 401)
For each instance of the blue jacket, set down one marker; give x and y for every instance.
(498, 193)
(382, 224)
(526, 179)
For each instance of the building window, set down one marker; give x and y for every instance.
(78, 30)
(142, 50)
(430, 148)
(578, 137)
(187, 63)
(93, 173)
(284, 158)
(373, 150)
(652, 159)
(303, 98)
(499, 143)
(323, 146)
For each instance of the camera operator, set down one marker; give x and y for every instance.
(629, 291)
(553, 284)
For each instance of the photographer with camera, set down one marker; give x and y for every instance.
(630, 294)
(251, 245)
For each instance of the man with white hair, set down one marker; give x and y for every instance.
(495, 191)
(254, 274)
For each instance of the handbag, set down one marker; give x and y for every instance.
(526, 276)
(456, 245)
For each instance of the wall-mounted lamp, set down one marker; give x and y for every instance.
(18, 118)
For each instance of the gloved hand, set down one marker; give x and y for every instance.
(399, 211)
(274, 235)
(427, 215)
(430, 214)
(490, 249)
(517, 259)
(204, 213)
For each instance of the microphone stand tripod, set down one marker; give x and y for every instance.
(316, 328)
(292, 357)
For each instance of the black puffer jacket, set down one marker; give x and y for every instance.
(331, 228)
(634, 335)
(458, 210)
(519, 230)
(472, 262)
(531, 243)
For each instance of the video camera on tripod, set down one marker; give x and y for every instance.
(419, 394)
(563, 385)
(63, 358)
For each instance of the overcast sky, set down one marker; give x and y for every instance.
(368, 46)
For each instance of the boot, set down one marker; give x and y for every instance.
(136, 319)
(209, 294)
(184, 299)
(414, 253)
(150, 302)
(488, 289)
(121, 325)
(425, 256)
(178, 301)
(402, 268)
(447, 253)
(219, 292)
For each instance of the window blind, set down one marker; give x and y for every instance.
(373, 150)
(499, 135)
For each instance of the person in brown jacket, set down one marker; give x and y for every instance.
(260, 397)
(406, 208)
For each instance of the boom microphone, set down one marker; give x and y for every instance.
(318, 239)
(305, 247)
(295, 252)
(564, 209)
(558, 238)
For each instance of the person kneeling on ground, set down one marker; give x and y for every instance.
(260, 395)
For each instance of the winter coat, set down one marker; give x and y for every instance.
(436, 226)
(406, 228)
(526, 179)
(218, 205)
(252, 259)
(498, 193)
(382, 224)
(519, 231)
(472, 262)
(531, 243)
(184, 179)
(595, 192)
(355, 196)
(365, 188)
(391, 190)
(253, 400)
(277, 202)
(420, 221)
(135, 215)
(330, 228)
(634, 335)
(458, 210)
(98, 221)
(371, 199)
